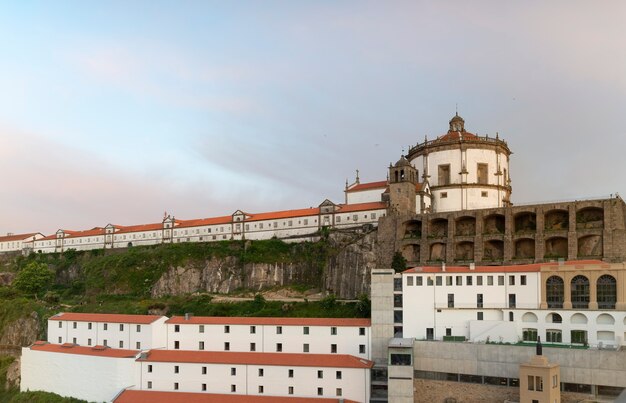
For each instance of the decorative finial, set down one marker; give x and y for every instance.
(357, 176)
(456, 109)
(497, 135)
(346, 183)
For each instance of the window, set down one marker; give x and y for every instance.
(418, 281)
(409, 280)
(539, 383)
(361, 331)
(226, 329)
(89, 326)
(338, 392)
(74, 325)
(201, 345)
(252, 346)
(511, 280)
(252, 329)
(484, 194)
(233, 371)
(429, 281)
(176, 328)
(106, 342)
(450, 300)
(479, 280)
(121, 343)
(149, 368)
(444, 175)
(233, 388)
(400, 359)
(361, 348)
(522, 279)
(512, 301)
(305, 330)
(459, 280)
(333, 349)
(201, 328)
(261, 371)
(500, 280)
(449, 280)
(290, 390)
(279, 330)
(176, 369)
(333, 331)
(226, 346)
(438, 280)
(479, 300)
(468, 280)
(204, 387)
(338, 375)
(479, 316)
(121, 327)
(279, 347)
(489, 280)
(176, 345)
(482, 176)
(580, 292)
(320, 374)
(531, 382)
(290, 373)
(355, 217)
(579, 336)
(320, 391)
(529, 334)
(511, 316)
(606, 292)
(553, 336)
(444, 195)
(60, 325)
(555, 381)
(203, 370)
(555, 292)
(149, 385)
(305, 348)
(260, 388)
(89, 343)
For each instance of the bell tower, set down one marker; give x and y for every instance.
(402, 187)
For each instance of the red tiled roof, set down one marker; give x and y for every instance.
(105, 317)
(520, 268)
(98, 351)
(232, 320)
(205, 221)
(348, 208)
(452, 136)
(278, 359)
(312, 211)
(145, 396)
(139, 228)
(367, 186)
(18, 237)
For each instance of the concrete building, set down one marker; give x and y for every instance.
(140, 332)
(270, 335)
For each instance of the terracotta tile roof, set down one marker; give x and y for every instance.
(204, 221)
(312, 211)
(105, 317)
(367, 186)
(348, 208)
(18, 237)
(138, 228)
(452, 136)
(232, 320)
(98, 351)
(520, 268)
(241, 358)
(145, 396)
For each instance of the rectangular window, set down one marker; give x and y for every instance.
(429, 281)
(333, 349)
(305, 348)
(529, 334)
(489, 280)
(201, 345)
(361, 331)
(226, 346)
(138, 328)
(522, 279)
(468, 280)
(479, 300)
(333, 331)
(176, 345)
(106, 343)
(74, 325)
(305, 330)
(361, 348)
(261, 371)
(201, 328)
(89, 343)
(233, 388)
(479, 316)
(512, 301)
(204, 387)
(320, 391)
(479, 280)
(60, 340)
(60, 325)
(484, 194)
(443, 175)
(482, 177)
(260, 388)
(500, 280)
(121, 327)
(554, 336)
(290, 390)
(226, 329)
(149, 368)
(290, 373)
(579, 336)
(444, 195)
(252, 346)
(279, 347)
(203, 370)
(338, 375)
(409, 280)
(450, 300)
(252, 329)
(149, 385)
(176, 328)
(459, 280)
(511, 280)
(355, 217)
(449, 280)
(438, 280)
(531, 382)
(176, 369)
(418, 281)
(121, 343)
(89, 326)
(233, 371)
(320, 374)
(279, 330)
(555, 381)
(539, 383)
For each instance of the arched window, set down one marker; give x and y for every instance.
(607, 292)
(580, 292)
(554, 292)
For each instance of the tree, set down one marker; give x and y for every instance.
(35, 278)
(398, 263)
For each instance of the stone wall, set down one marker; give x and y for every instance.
(591, 229)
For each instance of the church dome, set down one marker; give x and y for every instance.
(457, 124)
(402, 162)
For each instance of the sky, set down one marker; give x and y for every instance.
(119, 111)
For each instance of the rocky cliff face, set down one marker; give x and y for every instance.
(344, 272)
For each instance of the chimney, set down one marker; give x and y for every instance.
(472, 266)
(443, 266)
(561, 261)
(188, 316)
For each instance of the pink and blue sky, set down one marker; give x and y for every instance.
(114, 112)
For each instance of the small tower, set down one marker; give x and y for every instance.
(457, 124)
(539, 380)
(402, 185)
